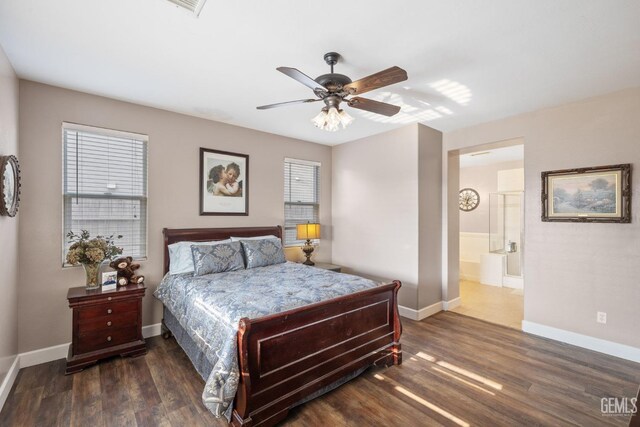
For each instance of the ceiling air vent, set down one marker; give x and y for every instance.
(194, 6)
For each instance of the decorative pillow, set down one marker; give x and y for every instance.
(208, 259)
(263, 252)
(180, 257)
(237, 239)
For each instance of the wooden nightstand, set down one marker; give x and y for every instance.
(105, 324)
(327, 266)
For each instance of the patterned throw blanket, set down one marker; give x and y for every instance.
(209, 308)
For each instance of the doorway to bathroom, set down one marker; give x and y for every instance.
(491, 220)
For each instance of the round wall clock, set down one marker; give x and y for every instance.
(9, 185)
(469, 199)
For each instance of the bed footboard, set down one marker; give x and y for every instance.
(288, 356)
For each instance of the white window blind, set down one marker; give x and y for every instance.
(301, 197)
(105, 186)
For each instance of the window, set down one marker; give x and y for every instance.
(301, 197)
(105, 186)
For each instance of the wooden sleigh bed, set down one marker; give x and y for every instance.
(290, 357)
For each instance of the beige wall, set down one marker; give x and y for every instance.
(375, 208)
(574, 270)
(386, 195)
(450, 225)
(483, 179)
(8, 226)
(429, 216)
(174, 141)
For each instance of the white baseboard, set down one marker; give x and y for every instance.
(596, 344)
(8, 381)
(450, 305)
(409, 313)
(423, 313)
(43, 355)
(151, 330)
(49, 354)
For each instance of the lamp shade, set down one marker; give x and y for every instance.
(308, 231)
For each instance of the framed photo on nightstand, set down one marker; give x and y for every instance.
(109, 281)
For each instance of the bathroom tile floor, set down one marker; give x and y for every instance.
(503, 306)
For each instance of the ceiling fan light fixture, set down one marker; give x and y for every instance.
(320, 120)
(345, 119)
(331, 119)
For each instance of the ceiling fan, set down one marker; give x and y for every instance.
(334, 88)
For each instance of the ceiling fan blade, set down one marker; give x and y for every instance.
(375, 81)
(302, 78)
(282, 104)
(373, 106)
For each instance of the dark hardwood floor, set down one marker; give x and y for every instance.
(457, 371)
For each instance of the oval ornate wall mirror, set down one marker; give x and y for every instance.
(9, 185)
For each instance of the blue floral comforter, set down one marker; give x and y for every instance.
(209, 308)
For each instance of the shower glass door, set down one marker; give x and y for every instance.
(506, 228)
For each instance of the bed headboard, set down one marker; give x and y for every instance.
(174, 235)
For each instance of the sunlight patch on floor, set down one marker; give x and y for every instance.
(451, 367)
(470, 374)
(433, 407)
(462, 380)
(425, 356)
(426, 403)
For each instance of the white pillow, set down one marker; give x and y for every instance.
(237, 239)
(181, 258)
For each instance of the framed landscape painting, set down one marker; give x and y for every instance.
(224, 183)
(595, 194)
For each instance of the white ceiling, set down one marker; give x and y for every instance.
(492, 156)
(499, 57)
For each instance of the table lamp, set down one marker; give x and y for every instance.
(308, 232)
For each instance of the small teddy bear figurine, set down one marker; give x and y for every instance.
(126, 271)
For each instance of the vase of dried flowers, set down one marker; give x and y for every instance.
(92, 271)
(91, 253)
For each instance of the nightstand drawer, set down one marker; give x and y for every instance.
(109, 322)
(114, 309)
(106, 338)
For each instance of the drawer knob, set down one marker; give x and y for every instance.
(109, 311)
(109, 299)
(109, 338)
(109, 323)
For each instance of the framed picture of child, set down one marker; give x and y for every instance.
(224, 179)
